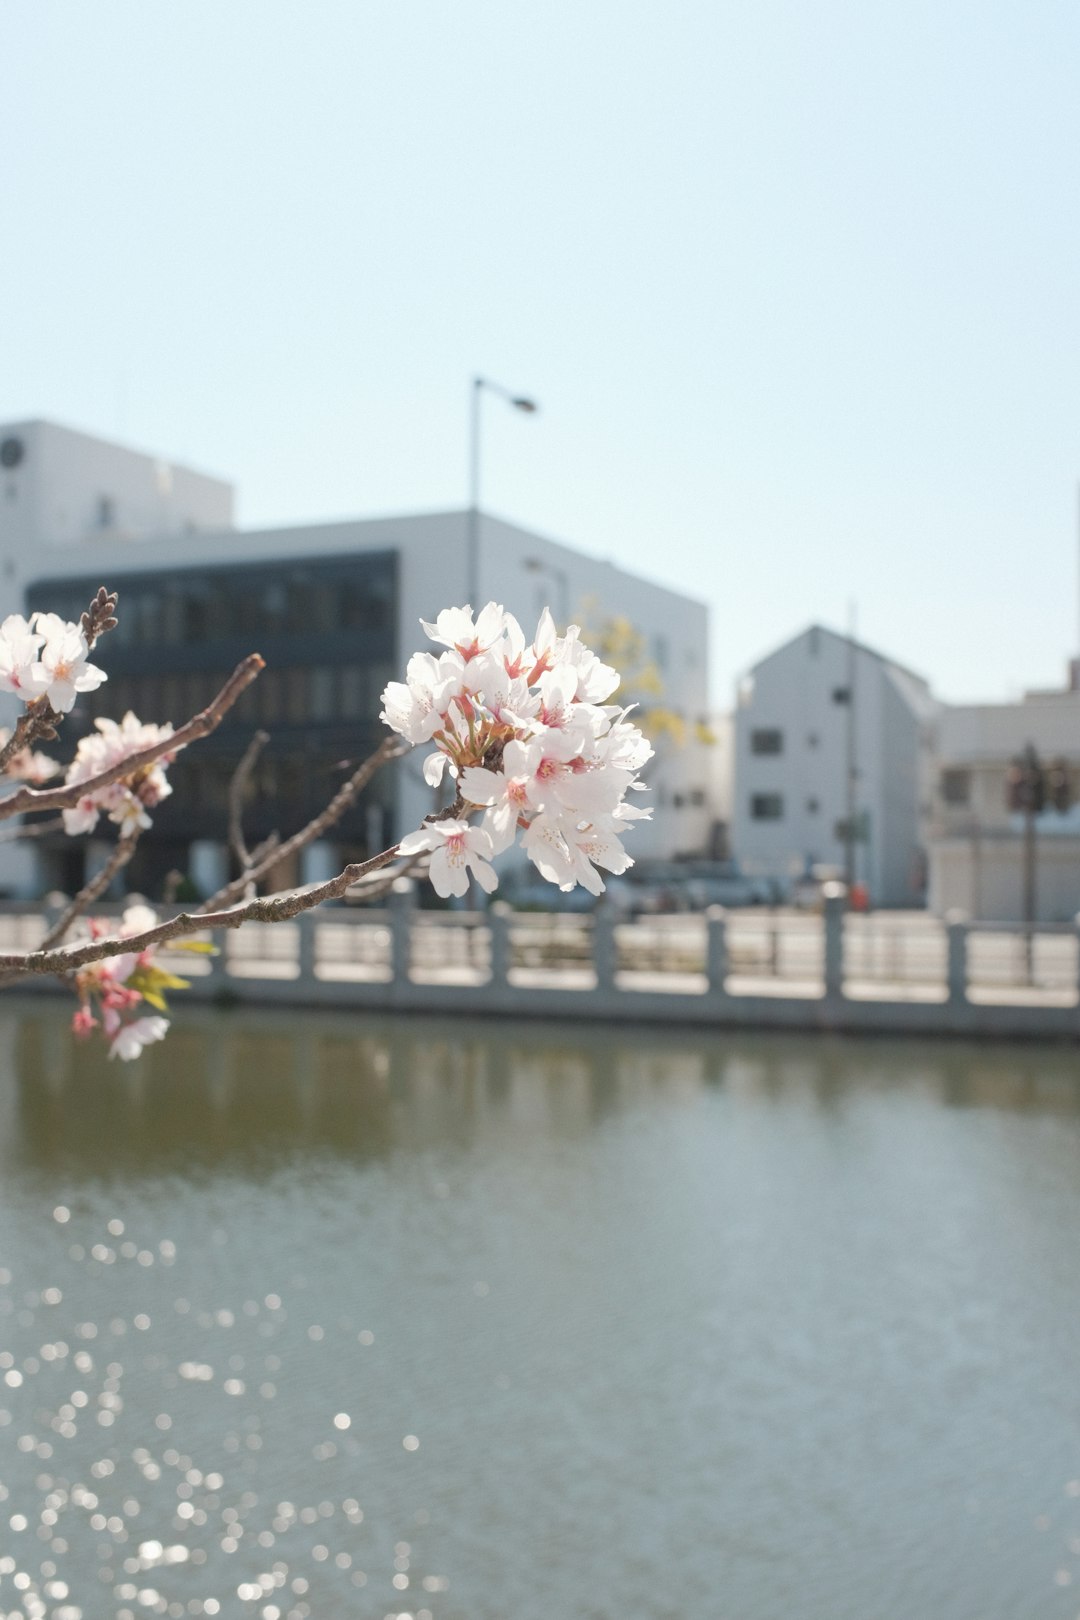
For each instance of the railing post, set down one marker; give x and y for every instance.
(402, 905)
(956, 937)
(604, 950)
(307, 923)
(835, 904)
(499, 915)
(218, 976)
(716, 962)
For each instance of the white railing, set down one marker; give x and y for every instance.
(736, 958)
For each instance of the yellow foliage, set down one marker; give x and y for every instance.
(619, 642)
(658, 723)
(151, 983)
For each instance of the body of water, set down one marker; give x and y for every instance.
(340, 1316)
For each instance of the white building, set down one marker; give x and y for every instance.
(335, 609)
(818, 714)
(976, 842)
(61, 487)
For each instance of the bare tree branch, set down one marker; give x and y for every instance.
(65, 798)
(241, 781)
(272, 908)
(91, 891)
(389, 748)
(37, 723)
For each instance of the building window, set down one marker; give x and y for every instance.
(767, 740)
(321, 702)
(812, 807)
(697, 797)
(812, 739)
(956, 786)
(766, 807)
(353, 692)
(841, 694)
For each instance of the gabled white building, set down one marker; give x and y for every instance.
(976, 842)
(334, 608)
(832, 737)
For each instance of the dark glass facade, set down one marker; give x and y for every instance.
(327, 628)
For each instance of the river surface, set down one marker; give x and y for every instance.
(339, 1316)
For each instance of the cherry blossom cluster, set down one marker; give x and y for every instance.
(127, 801)
(109, 991)
(534, 747)
(46, 657)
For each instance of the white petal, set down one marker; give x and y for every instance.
(434, 767)
(486, 876)
(447, 876)
(480, 786)
(415, 843)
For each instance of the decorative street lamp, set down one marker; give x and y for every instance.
(520, 403)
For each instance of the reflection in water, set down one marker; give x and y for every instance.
(331, 1315)
(260, 1088)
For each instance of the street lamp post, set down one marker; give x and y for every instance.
(520, 403)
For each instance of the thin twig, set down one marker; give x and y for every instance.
(33, 829)
(388, 749)
(273, 908)
(65, 798)
(271, 842)
(97, 885)
(241, 781)
(367, 892)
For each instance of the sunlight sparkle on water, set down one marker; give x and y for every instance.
(205, 1518)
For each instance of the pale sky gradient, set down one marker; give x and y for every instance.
(795, 281)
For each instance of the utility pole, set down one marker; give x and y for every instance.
(1028, 785)
(1030, 813)
(852, 764)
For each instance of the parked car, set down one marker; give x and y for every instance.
(808, 891)
(525, 890)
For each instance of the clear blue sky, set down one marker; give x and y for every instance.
(797, 283)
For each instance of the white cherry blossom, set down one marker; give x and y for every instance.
(454, 628)
(456, 849)
(21, 671)
(129, 1039)
(64, 662)
(414, 707)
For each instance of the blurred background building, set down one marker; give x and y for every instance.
(335, 609)
(833, 767)
(982, 850)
